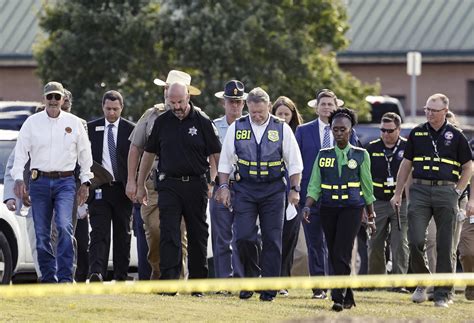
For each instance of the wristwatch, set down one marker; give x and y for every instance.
(296, 188)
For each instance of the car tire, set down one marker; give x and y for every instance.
(6, 261)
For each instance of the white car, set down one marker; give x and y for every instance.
(15, 249)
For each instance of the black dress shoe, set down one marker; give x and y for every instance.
(349, 305)
(245, 294)
(337, 307)
(264, 297)
(197, 294)
(95, 277)
(169, 294)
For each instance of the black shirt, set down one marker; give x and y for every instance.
(450, 143)
(380, 156)
(183, 145)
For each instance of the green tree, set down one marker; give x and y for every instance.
(95, 46)
(287, 47)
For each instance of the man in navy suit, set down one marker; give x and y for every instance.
(110, 145)
(311, 137)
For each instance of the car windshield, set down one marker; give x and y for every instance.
(6, 147)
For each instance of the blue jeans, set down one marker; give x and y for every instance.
(48, 194)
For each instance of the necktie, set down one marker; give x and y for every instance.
(326, 138)
(112, 150)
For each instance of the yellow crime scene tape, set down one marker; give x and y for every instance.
(251, 284)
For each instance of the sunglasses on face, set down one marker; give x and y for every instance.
(56, 96)
(388, 130)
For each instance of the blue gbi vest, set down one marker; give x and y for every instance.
(341, 191)
(261, 162)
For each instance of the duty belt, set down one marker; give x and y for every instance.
(432, 182)
(55, 174)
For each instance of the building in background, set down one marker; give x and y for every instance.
(383, 31)
(18, 31)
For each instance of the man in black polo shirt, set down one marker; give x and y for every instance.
(441, 159)
(386, 154)
(183, 139)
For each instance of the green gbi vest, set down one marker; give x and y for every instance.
(345, 190)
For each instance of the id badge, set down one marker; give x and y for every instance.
(34, 174)
(390, 181)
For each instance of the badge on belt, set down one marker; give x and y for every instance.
(34, 174)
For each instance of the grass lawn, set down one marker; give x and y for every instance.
(371, 306)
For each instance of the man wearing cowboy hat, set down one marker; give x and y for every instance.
(150, 216)
(184, 140)
(226, 259)
(311, 137)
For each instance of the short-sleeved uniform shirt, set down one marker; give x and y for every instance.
(183, 145)
(449, 141)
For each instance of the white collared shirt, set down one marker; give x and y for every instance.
(106, 163)
(322, 125)
(54, 145)
(291, 150)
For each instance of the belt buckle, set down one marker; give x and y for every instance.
(185, 178)
(434, 182)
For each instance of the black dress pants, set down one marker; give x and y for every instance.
(188, 199)
(114, 207)
(341, 225)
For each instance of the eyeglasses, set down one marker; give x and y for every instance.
(433, 110)
(56, 96)
(388, 130)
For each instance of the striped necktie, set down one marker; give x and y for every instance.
(326, 138)
(112, 150)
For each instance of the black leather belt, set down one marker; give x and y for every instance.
(432, 182)
(56, 174)
(186, 178)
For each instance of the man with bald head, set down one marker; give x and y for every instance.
(183, 139)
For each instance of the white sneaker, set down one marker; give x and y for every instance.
(441, 303)
(419, 296)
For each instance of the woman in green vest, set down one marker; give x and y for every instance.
(341, 183)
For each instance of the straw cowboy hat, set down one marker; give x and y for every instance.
(175, 76)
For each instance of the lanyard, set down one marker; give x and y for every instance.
(435, 142)
(389, 159)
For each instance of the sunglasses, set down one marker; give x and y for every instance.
(56, 96)
(388, 130)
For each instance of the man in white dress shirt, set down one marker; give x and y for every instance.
(259, 144)
(55, 141)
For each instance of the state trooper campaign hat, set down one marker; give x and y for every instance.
(314, 103)
(233, 90)
(54, 87)
(175, 76)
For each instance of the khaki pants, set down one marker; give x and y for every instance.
(151, 218)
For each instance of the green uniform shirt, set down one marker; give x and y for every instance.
(314, 186)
